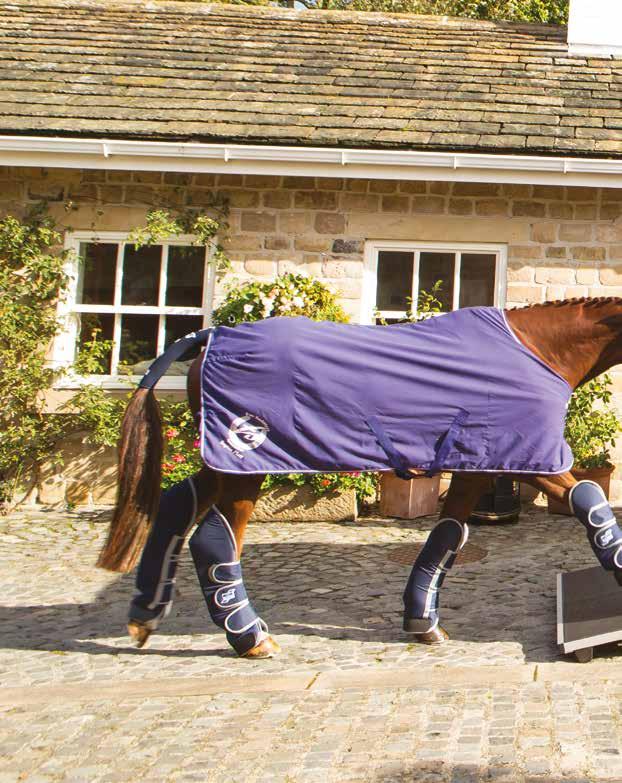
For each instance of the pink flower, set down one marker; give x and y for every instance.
(178, 458)
(196, 444)
(172, 433)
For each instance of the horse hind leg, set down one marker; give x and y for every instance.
(181, 506)
(421, 596)
(216, 548)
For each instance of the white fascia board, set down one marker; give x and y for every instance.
(307, 161)
(602, 51)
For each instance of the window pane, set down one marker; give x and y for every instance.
(395, 280)
(141, 275)
(179, 326)
(434, 267)
(139, 341)
(477, 279)
(89, 323)
(185, 276)
(97, 273)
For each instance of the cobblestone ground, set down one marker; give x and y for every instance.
(350, 699)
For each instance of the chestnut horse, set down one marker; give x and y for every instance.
(578, 339)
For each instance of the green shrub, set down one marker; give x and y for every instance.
(289, 294)
(591, 424)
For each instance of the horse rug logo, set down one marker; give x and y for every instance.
(247, 432)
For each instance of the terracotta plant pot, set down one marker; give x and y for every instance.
(602, 477)
(408, 499)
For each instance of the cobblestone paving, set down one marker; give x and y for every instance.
(532, 733)
(332, 597)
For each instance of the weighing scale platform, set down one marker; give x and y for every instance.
(589, 611)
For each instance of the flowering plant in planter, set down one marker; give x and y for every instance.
(364, 484)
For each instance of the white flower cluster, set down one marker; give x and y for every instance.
(268, 305)
(288, 304)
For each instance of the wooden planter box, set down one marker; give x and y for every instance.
(408, 499)
(602, 477)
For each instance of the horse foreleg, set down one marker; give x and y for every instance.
(421, 596)
(588, 503)
(181, 506)
(216, 547)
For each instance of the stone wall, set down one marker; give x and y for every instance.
(562, 242)
(83, 474)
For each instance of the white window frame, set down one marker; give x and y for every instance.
(370, 274)
(64, 349)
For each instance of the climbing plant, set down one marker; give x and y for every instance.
(162, 224)
(32, 280)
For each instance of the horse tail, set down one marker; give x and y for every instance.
(140, 464)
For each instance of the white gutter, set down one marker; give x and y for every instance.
(306, 161)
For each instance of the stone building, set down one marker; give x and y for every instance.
(379, 153)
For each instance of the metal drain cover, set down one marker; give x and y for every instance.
(406, 555)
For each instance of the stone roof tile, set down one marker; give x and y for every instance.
(246, 74)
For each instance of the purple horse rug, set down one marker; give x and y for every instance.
(457, 392)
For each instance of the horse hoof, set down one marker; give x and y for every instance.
(139, 633)
(267, 648)
(437, 635)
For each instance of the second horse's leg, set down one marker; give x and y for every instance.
(421, 596)
(216, 548)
